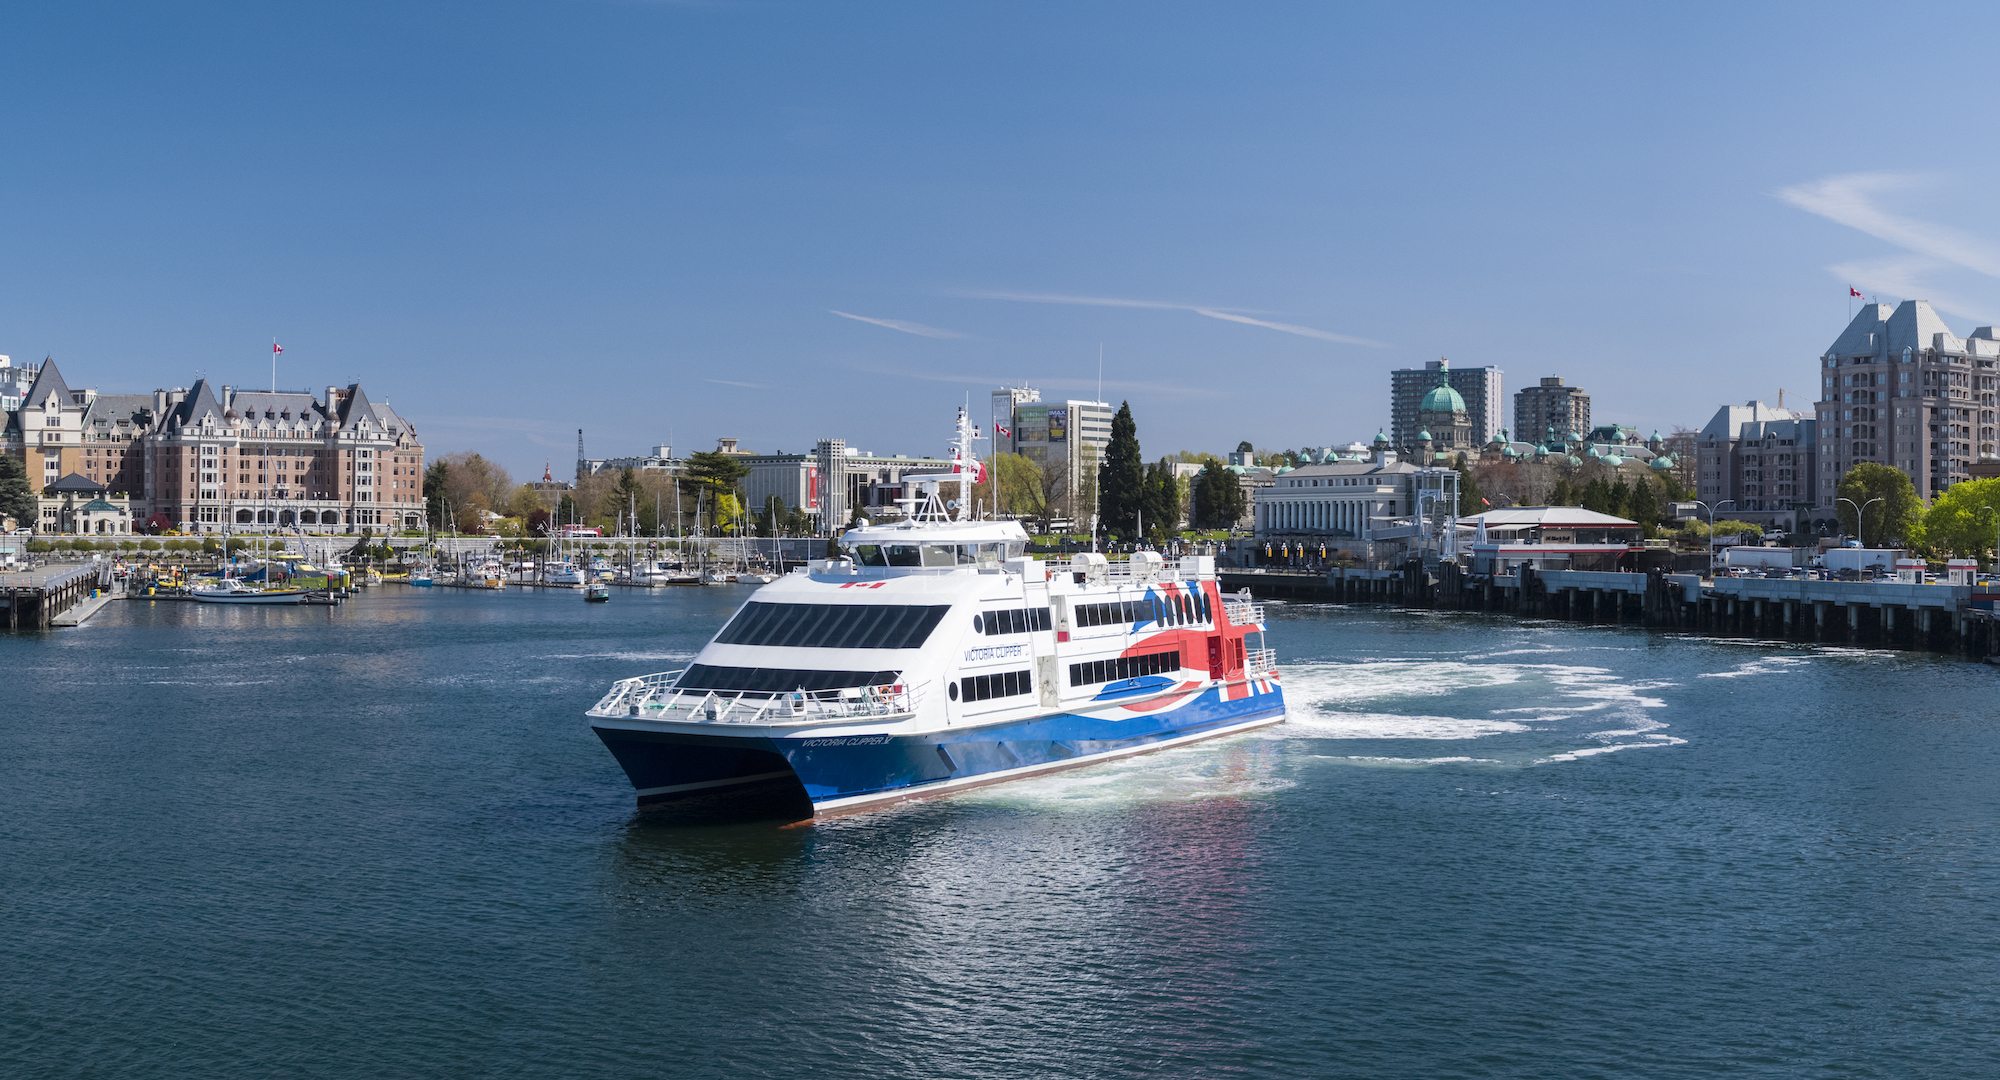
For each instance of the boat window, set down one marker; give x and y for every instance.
(998, 685)
(1016, 548)
(833, 626)
(774, 681)
(940, 554)
(869, 555)
(1015, 621)
(1123, 667)
(902, 555)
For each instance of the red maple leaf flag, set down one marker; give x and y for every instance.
(276, 348)
(1851, 292)
(1003, 431)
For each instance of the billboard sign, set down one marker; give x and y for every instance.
(1058, 425)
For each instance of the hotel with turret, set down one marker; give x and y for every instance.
(211, 459)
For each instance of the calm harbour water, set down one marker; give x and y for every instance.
(380, 840)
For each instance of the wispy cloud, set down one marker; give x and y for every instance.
(1850, 200)
(916, 328)
(1081, 385)
(744, 385)
(1288, 328)
(1854, 200)
(1087, 301)
(1234, 315)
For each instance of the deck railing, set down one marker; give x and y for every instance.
(1261, 661)
(654, 697)
(1243, 612)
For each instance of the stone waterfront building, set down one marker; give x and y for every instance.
(206, 458)
(1898, 388)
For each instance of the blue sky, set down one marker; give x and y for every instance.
(647, 219)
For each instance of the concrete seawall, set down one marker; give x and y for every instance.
(1934, 618)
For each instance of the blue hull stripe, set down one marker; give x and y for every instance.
(849, 767)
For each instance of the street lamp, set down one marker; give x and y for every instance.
(1711, 525)
(1858, 511)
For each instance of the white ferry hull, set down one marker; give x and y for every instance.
(841, 773)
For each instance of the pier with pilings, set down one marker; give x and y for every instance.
(1884, 614)
(36, 599)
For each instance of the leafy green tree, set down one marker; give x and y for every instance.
(1019, 481)
(1896, 518)
(1121, 479)
(17, 498)
(1244, 447)
(149, 545)
(1964, 520)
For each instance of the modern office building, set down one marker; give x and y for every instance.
(1551, 412)
(1479, 388)
(1756, 463)
(1898, 388)
(1069, 435)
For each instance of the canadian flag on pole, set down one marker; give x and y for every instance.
(1004, 432)
(276, 348)
(1851, 291)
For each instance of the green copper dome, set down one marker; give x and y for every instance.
(1441, 399)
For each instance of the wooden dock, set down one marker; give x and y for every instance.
(36, 599)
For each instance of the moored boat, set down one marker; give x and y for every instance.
(232, 591)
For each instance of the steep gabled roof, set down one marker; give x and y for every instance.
(354, 407)
(199, 403)
(50, 381)
(1916, 327)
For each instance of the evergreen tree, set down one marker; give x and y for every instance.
(1218, 498)
(772, 521)
(1563, 494)
(1244, 447)
(1470, 499)
(1121, 480)
(1162, 501)
(1644, 506)
(435, 479)
(17, 498)
(1620, 502)
(624, 499)
(1597, 496)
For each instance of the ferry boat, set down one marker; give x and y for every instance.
(935, 655)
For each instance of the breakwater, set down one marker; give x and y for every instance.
(1928, 617)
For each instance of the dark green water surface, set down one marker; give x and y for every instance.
(380, 841)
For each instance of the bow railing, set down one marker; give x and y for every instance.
(655, 697)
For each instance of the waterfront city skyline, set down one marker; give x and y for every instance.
(783, 223)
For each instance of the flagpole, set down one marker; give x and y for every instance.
(274, 365)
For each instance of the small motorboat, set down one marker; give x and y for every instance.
(597, 592)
